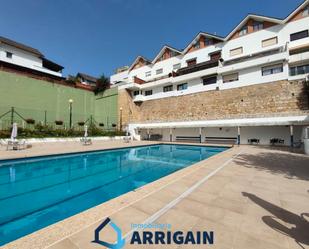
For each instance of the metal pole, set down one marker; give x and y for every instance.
(171, 135)
(45, 118)
(70, 115)
(12, 115)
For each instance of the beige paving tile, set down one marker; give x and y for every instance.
(179, 219)
(64, 244)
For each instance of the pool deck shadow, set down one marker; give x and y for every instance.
(251, 197)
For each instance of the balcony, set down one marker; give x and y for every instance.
(255, 56)
(138, 98)
(295, 58)
(198, 67)
(278, 54)
(299, 53)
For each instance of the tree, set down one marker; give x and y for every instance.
(72, 79)
(102, 84)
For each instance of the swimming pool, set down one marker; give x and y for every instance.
(37, 192)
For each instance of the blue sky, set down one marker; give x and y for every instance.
(97, 36)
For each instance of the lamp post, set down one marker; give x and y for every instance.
(71, 104)
(120, 121)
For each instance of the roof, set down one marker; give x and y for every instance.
(301, 6)
(163, 50)
(267, 18)
(255, 17)
(220, 38)
(20, 46)
(51, 65)
(197, 37)
(137, 59)
(87, 77)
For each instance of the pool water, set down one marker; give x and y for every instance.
(37, 192)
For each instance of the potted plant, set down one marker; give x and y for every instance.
(30, 121)
(59, 122)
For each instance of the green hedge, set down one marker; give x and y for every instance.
(41, 131)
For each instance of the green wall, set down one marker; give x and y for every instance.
(32, 97)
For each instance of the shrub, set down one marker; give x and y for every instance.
(30, 121)
(41, 131)
(59, 122)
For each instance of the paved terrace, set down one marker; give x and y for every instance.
(251, 197)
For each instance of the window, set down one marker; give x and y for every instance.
(297, 70)
(183, 86)
(257, 26)
(270, 42)
(148, 92)
(272, 69)
(208, 41)
(173, 53)
(236, 51)
(9, 55)
(161, 58)
(209, 80)
(243, 31)
(299, 35)
(159, 71)
(306, 11)
(147, 74)
(191, 62)
(135, 93)
(176, 66)
(230, 77)
(168, 88)
(196, 45)
(215, 56)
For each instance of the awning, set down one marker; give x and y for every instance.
(267, 121)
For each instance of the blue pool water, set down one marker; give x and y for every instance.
(37, 192)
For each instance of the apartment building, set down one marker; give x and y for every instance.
(248, 86)
(22, 58)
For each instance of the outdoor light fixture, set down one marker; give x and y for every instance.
(71, 104)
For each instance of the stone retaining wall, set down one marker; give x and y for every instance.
(279, 98)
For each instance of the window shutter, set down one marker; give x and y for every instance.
(236, 51)
(230, 77)
(270, 42)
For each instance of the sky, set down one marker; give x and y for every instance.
(97, 36)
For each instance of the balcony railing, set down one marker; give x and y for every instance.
(198, 67)
(255, 56)
(138, 98)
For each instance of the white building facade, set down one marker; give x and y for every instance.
(260, 50)
(15, 53)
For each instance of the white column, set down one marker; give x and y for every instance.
(292, 135)
(238, 135)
